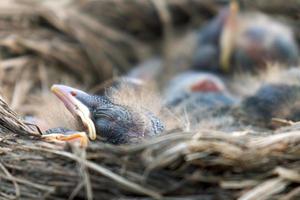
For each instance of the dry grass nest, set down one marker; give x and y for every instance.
(194, 165)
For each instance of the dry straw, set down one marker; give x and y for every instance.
(202, 164)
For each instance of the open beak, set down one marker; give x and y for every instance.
(228, 36)
(68, 96)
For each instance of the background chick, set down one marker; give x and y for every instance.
(236, 40)
(275, 94)
(259, 39)
(272, 101)
(198, 97)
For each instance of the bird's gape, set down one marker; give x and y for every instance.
(69, 96)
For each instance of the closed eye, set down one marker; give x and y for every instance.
(102, 114)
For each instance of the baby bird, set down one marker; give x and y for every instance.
(244, 41)
(207, 51)
(271, 94)
(272, 101)
(208, 104)
(197, 94)
(102, 117)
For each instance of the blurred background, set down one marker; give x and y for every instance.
(87, 42)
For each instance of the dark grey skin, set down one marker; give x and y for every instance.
(253, 54)
(271, 101)
(120, 124)
(207, 52)
(282, 49)
(201, 88)
(114, 123)
(198, 95)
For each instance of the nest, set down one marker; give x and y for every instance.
(195, 165)
(86, 42)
